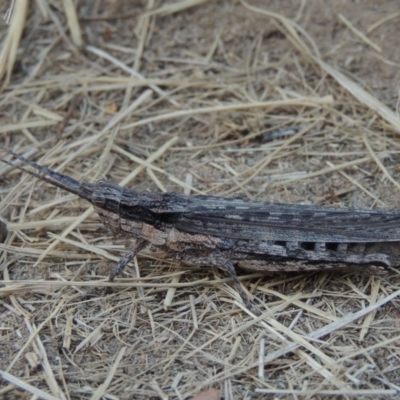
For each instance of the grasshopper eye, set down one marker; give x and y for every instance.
(107, 196)
(98, 198)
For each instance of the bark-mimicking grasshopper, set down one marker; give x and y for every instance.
(224, 232)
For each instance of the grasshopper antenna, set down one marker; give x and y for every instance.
(83, 190)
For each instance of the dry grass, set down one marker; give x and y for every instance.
(293, 104)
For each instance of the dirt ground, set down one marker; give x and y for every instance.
(280, 101)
